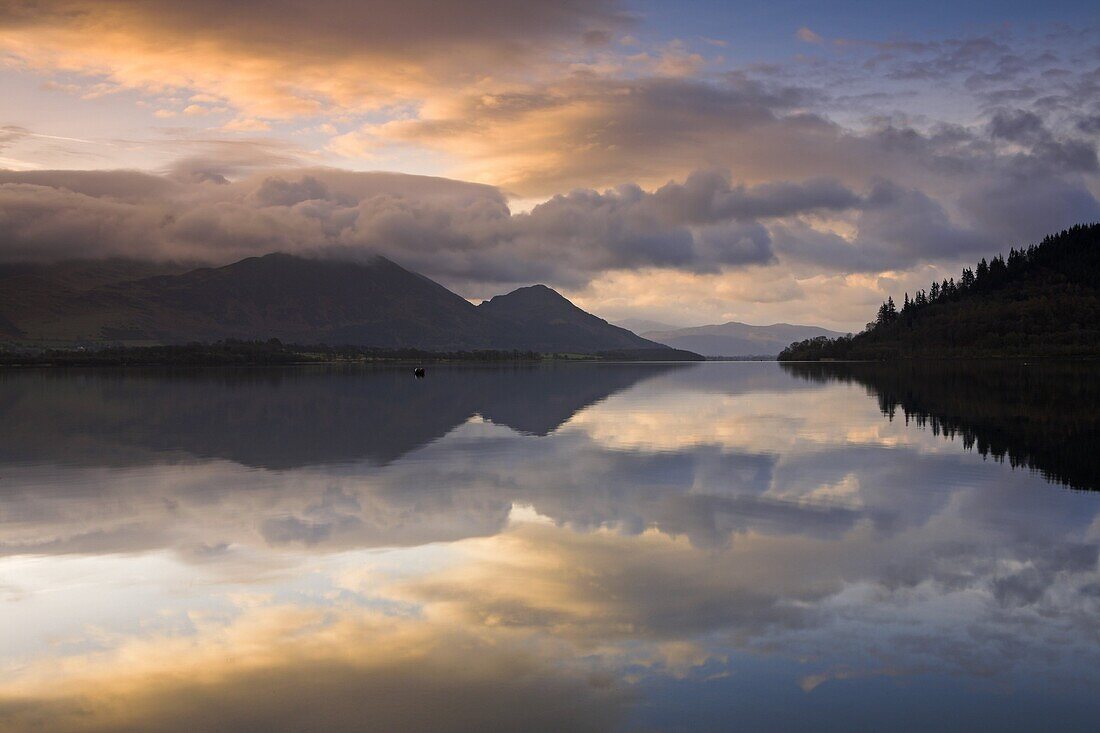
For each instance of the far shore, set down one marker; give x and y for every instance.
(275, 353)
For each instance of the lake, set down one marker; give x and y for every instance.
(569, 547)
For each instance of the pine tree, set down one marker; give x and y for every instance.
(998, 270)
(967, 281)
(981, 277)
(881, 316)
(1016, 260)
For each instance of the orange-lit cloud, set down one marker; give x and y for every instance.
(597, 131)
(280, 59)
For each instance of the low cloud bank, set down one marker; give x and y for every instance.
(465, 233)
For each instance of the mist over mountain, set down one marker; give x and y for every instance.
(737, 339)
(375, 303)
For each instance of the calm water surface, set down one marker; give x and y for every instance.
(577, 547)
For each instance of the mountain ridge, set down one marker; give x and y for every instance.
(373, 303)
(735, 339)
(526, 306)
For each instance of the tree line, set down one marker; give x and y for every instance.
(240, 352)
(1042, 300)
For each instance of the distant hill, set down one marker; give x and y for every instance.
(1041, 301)
(642, 325)
(737, 339)
(376, 303)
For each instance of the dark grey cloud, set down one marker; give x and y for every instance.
(444, 228)
(1017, 126)
(1089, 125)
(701, 225)
(466, 234)
(896, 228)
(1024, 205)
(1045, 149)
(709, 197)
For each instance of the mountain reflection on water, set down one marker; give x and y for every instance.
(282, 418)
(575, 547)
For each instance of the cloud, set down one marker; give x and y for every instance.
(1048, 152)
(901, 227)
(589, 131)
(1017, 126)
(1027, 204)
(345, 56)
(447, 229)
(10, 134)
(808, 36)
(467, 236)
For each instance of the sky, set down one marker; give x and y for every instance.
(688, 162)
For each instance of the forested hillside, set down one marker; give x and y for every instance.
(1043, 300)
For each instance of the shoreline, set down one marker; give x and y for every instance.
(272, 353)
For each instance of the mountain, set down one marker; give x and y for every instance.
(1040, 301)
(31, 291)
(541, 319)
(282, 296)
(737, 339)
(375, 303)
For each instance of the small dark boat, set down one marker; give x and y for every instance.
(418, 372)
